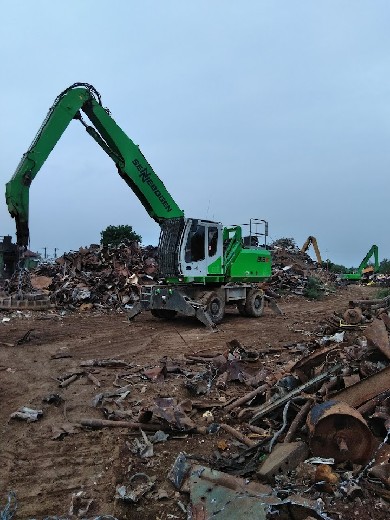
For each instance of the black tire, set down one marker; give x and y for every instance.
(215, 308)
(254, 304)
(164, 314)
(241, 307)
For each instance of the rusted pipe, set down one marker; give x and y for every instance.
(385, 302)
(298, 420)
(370, 405)
(238, 435)
(339, 431)
(68, 381)
(256, 429)
(247, 397)
(98, 424)
(93, 379)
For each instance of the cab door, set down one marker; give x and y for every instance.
(193, 255)
(203, 248)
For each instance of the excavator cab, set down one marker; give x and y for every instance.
(202, 249)
(190, 249)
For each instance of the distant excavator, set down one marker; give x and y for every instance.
(364, 270)
(313, 241)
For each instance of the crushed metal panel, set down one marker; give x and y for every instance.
(219, 502)
(213, 495)
(221, 496)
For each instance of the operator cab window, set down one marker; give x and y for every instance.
(213, 240)
(195, 247)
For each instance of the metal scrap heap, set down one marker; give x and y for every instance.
(292, 269)
(109, 277)
(97, 276)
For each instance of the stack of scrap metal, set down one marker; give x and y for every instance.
(97, 276)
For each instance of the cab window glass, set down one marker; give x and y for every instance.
(212, 240)
(195, 247)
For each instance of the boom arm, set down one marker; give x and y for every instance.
(305, 247)
(364, 262)
(363, 265)
(129, 160)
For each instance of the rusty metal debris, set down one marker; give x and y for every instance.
(66, 379)
(97, 424)
(373, 304)
(112, 363)
(340, 432)
(380, 468)
(55, 399)
(143, 448)
(247, 397)
(368, 388)
(268, 407)
(103, 276)
(121, 393)
(376, 334)
(325, 478)
(80, 504)
(331, 401)
(172, 413)
(214, 494)
(100, 277)
(95, 277)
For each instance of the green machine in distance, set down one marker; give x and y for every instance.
(203, 266)
(364, 269)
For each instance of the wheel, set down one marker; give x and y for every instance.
(164, 314)
(241, 307)
(254, 304)
(215, 308)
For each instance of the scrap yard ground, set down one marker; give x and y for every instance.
(47, 461)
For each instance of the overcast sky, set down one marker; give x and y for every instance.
(278, 110)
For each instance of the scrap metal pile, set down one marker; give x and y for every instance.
(93, 277)
(109, 277)
(292, 269)
(308, 433)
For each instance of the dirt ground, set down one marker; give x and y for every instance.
(45, 472)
